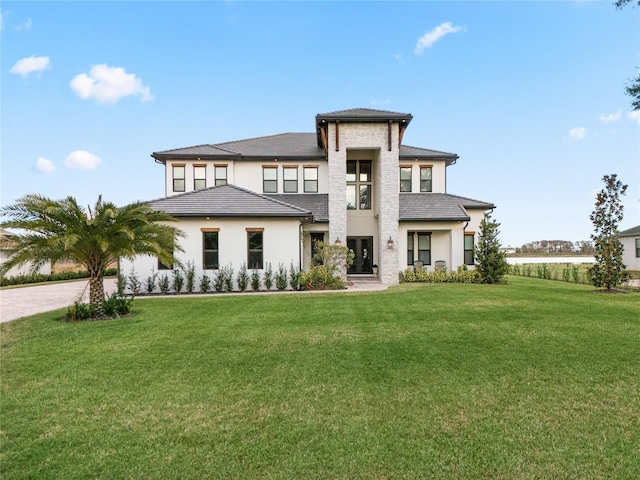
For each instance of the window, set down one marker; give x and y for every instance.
(424, 248)
(210, 250)
(270, 179)
(199, 177)
(254, 249)
(290, 176)
(425, 179)
(220, 174)
(637, 247)
(178, 178)
(315, 238)
(405, 179)
(468, 248)
(311, 179)
(410, 236)
(162, 266)
(358, 184)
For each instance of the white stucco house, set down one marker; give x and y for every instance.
(20, 270)
(266, 200)
(631, 244)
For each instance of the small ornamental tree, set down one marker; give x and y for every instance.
(490, 261)
(608, 270)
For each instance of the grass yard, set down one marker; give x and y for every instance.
(534, 379)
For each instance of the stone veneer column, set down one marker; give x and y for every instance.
(389, 208)
(369, 136)
(337, 165)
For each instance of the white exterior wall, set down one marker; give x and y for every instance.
(23, 270)
(245, 174)
(629, 253)
(438, 175)
(447, 243)
(281, 244)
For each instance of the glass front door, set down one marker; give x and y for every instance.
(362, 247)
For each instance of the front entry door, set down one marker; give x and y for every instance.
(362, 247)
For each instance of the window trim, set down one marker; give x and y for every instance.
(305, 169)
(358, 184)
(205, 250)
(183, 166)
(217, 181)
(266, 168)
(410, 179)
(195, 179)
(286, 168)
(415, 251)
(251, 231)
(637, 247)
(465, 249)
(430, 190)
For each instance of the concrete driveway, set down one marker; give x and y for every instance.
(25, 301)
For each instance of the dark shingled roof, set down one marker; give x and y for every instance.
(317, 203)
(363, 115)
(631, 232)
(438, 207)
(298, 145)
(227, 201)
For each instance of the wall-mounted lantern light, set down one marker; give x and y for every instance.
(338, 242)
(390, 243)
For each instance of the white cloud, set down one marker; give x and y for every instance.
(109, 84)
(431, 37)
(31, 64)
(577, 133)
(26, 26)
(83, 160)
(612, 117)
(45, 165)
(634, 116)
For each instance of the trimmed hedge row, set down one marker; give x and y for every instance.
(52, 277)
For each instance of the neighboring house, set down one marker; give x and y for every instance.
(631, 244)
(25, 269)
(268, 199)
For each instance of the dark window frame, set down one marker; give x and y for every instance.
(270, 181)
(215, 251)
(469, 257)
(196, 179)
(255, 248)
(220, 180)
(405, 183)
(313, 183)
(289, 185)
(426, 185)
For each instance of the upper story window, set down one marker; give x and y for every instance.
(210, 249)
(311, 179)
(358, 184)
(199, 177)
(178, 178)
(290, 179)
(405, 179)
(270, 179)
(426, 184)
(220, 173)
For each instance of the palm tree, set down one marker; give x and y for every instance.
(54, 230)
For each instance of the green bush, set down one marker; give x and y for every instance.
(420, 275)
(243, 278)
(40, 277)
(113, 306)
(320, 277)
(281, 277)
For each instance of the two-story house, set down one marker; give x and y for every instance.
(352, 181)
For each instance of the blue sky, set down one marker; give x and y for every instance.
(530, 95)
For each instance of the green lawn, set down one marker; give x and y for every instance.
(534, 379)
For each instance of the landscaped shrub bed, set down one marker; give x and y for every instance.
(420, 275)
(54, 277)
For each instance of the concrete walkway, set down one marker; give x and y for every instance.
(24, 301)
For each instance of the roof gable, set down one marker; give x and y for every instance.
(226, 201)
(631, 232)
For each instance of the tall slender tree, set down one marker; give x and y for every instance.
(609, 270)
(54, 230)
(490, 261)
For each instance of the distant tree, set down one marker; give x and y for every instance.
(54, 230)
(490, 261)
(608, 270)
(633, 88)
